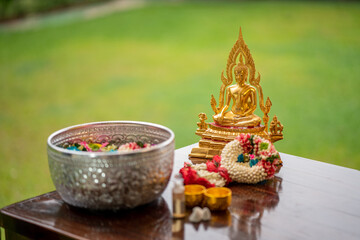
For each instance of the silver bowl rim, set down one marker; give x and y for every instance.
(97, 154)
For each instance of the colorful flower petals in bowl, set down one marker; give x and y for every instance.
(194, 195)
(105, 146)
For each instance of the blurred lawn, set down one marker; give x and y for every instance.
(161, 63)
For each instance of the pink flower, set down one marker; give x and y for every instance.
(269, 168)
(86, 146)
(245, 143)
(134, 146)
(129, 146)
(272, 149)
(265, 154)
(276, 161)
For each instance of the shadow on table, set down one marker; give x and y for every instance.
(248, 206)
(243, 218)
(152, 220)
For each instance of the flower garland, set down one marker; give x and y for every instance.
(247, 159)
(210, 174)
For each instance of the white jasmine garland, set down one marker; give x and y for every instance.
(240, 172)
(247, 159)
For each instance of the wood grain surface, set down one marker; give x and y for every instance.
(306, 200)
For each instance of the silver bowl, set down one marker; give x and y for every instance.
(111, 180)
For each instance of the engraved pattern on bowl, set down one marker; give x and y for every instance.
(111, 180)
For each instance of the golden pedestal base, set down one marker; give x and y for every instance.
(216, 137)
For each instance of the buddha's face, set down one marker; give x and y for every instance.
(241, 74)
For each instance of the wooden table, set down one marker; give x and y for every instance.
(307, 200)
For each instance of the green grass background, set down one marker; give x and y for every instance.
(162, 62)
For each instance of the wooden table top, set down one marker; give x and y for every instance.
(306, 200)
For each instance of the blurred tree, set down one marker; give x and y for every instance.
(11, 9)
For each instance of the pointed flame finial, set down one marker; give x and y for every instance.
(240, 34)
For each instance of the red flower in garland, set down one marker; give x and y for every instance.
(217, 160)
(215, 166)
(191, 177)
(211, 167)
(224, 173)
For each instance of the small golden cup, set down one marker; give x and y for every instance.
(217, 198)
(194, 195)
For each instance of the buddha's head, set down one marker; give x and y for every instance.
(202, 116)
(241, 73)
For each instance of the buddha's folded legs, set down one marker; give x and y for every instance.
(231, 120)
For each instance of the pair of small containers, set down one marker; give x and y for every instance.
(215, 198)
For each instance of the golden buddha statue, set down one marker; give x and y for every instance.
(244, 97)
(240, 118)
